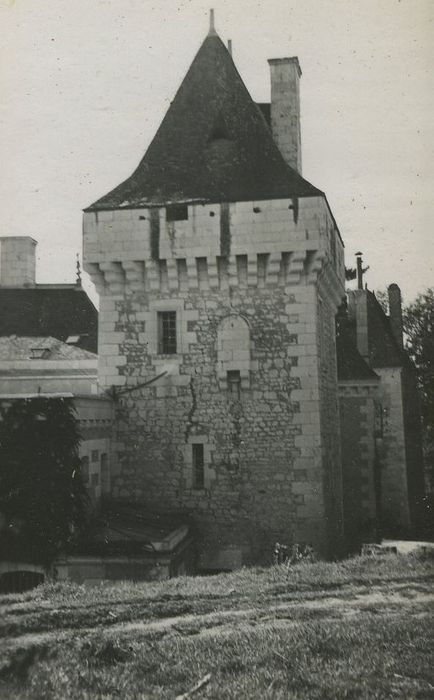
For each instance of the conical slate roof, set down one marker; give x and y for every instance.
(212, 145)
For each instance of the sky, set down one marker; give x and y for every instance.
(85, 85)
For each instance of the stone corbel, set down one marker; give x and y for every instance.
(96, 275)
(134, 274)
(273, 269)
(296, 267)
(114, 276)
(314, 266)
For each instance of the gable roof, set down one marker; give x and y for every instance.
(213, 145)
(49, 310)
(351, 364)
(384, 351)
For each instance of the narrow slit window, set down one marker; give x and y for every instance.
(167, 333)
(105, 476)
(198, 466)
(177, 212)
(85, 469)
(234, 383)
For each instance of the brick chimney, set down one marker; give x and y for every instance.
(395, 312)
(285, 108)
(358, 312)
(17, 261)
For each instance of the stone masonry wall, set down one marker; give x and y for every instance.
(394, 485)
(255, 263)
(329, 419)
(360, 466)
(413, 443)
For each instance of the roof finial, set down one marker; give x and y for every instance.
(211, 22)
(78, 278)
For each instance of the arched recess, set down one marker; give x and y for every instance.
(233, 350)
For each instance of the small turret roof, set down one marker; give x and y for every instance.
(212, 145)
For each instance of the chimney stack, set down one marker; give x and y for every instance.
(285, 108)
(395, 313)
(17, 261)
(358, 312)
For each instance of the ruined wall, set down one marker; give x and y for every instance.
(358, 404)
(413, 444)
(95, 415)
(394, 486)
(239, 271)
(329, 417)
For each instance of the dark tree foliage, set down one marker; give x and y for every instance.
(383, 299)
(419, 329)
(43, 502)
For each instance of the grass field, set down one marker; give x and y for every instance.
(362, 628)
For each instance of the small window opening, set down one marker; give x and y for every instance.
(257, 210)
(177, 212)
(94, 455)
(39, 353)
(167, 332)
(105, 476)
(234, 383)
(85, 469)
(198, 466)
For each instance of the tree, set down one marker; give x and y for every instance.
(418, 320)
(382, 297)
(43, 501)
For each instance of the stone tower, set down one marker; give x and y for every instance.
(220, 270)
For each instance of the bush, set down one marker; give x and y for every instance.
(43, 501)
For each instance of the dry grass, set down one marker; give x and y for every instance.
(358, 629)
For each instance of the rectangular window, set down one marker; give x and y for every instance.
(198, 466)
(94, 455)
(85, 469)
(177, 212)
(234, 383)
(167, 332)
(379, 421)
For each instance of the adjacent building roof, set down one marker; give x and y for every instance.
(351, 365)
(59, 311)
(384, 351)
(40, 348)
(213, 145)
